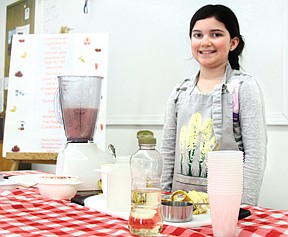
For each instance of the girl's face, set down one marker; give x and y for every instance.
(211, 43)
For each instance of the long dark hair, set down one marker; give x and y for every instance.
(229, 19)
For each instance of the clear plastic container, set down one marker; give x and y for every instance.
(146, 169)
(119, 185)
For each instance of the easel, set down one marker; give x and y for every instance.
(34, 158)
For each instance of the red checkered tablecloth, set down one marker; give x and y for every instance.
(23, 212)
(262, 222)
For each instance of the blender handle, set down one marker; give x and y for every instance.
(57, 107)
(112, 150)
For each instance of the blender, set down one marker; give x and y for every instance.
(78, 102)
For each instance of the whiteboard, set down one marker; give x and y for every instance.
(149, 50)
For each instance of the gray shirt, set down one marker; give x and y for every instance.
(252, 134)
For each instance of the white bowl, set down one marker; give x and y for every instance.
(58, 187)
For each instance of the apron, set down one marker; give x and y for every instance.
(201, 122)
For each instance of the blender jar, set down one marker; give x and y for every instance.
(79, 98)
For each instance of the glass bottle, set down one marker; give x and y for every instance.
(146, 169)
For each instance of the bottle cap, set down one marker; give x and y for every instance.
(146, 137)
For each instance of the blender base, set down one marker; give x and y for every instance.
(82, 160)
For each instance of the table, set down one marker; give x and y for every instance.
(23, 212)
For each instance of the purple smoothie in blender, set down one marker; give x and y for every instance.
(79, 125)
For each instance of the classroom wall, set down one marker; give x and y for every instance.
(149, 52)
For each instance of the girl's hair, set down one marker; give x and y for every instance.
(229, 19)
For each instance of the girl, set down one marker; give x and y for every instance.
(219, 108)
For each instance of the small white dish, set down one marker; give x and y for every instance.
(25, 180)
(58, 187)
(58, 191)
(7, 184)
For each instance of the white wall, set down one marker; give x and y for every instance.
(150, 49)
(149, 54)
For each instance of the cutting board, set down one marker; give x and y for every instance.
(99, 203)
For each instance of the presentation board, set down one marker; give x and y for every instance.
(36, 61)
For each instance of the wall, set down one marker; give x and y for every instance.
(150, 50)
(150, 53)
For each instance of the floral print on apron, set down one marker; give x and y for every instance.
(202, 119)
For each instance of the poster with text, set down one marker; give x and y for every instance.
(36, 62)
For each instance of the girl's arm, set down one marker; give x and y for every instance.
(254, 136)
(167, 149)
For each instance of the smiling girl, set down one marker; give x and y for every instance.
(219, 108)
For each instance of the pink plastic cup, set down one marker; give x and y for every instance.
(224, 209)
